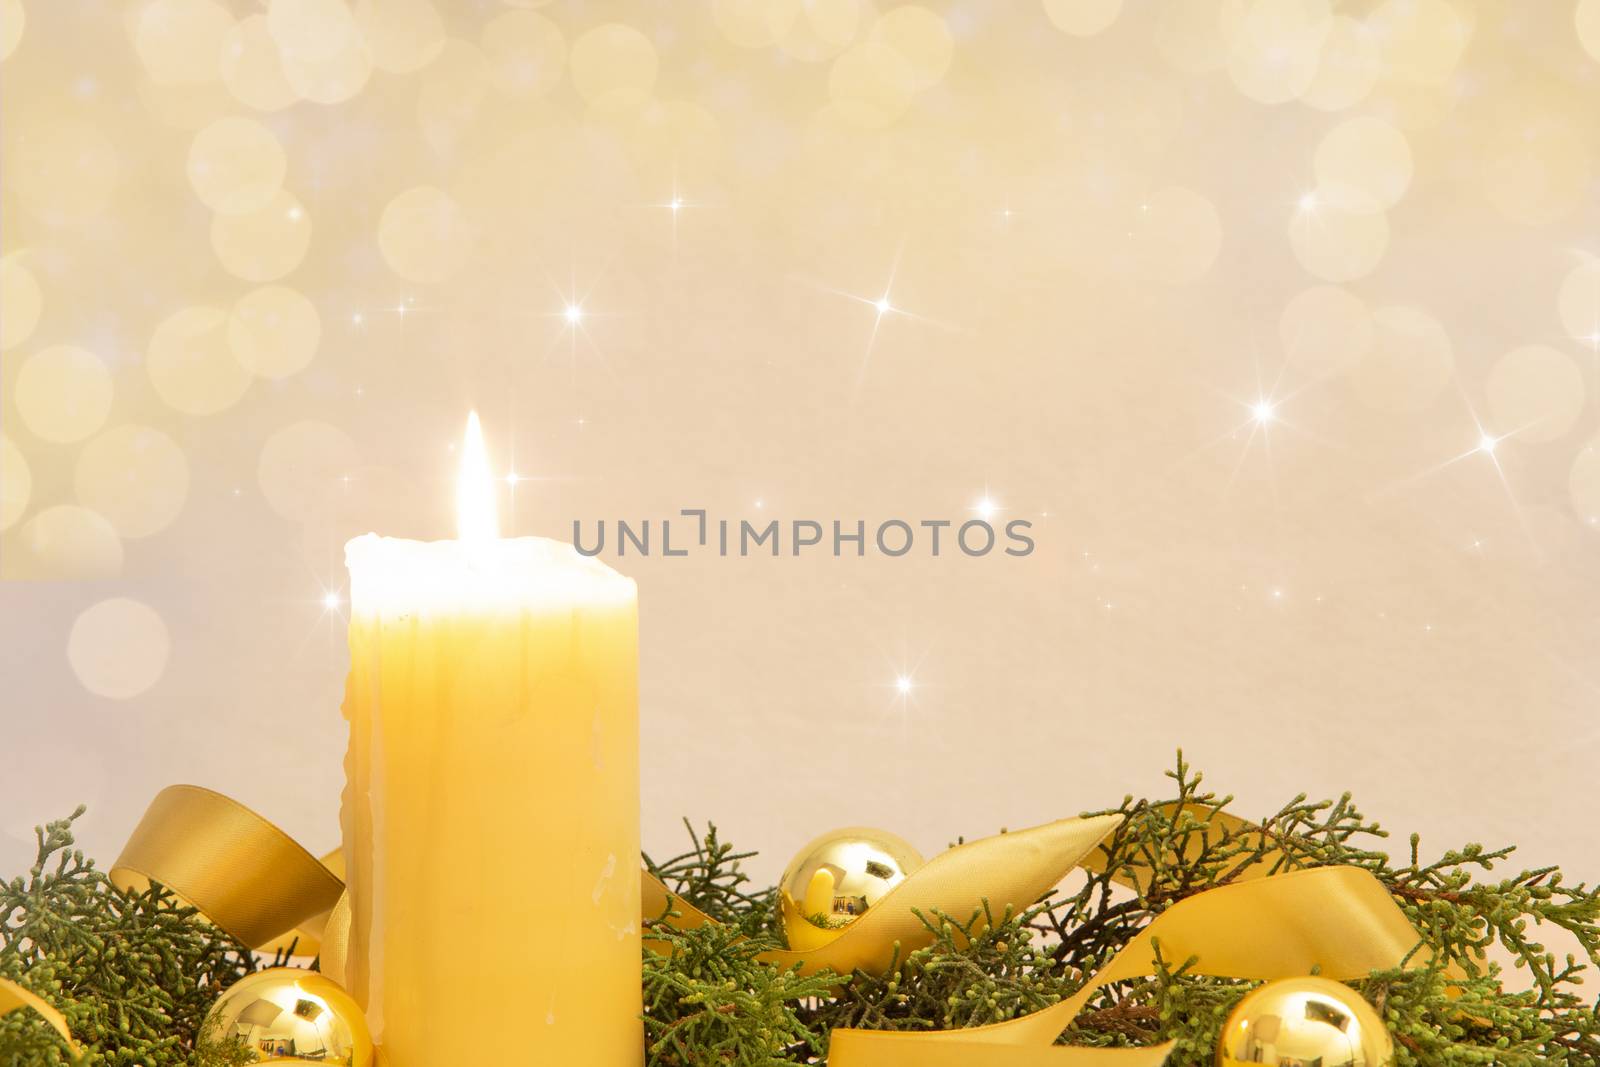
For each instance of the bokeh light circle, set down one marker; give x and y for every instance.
(526, 52)
(871, 85)
(274, 331)
(330, 79)
(1536, 392)
(1338, 245)
(252, 67)
(1082, 18)
(424, 235)
(1325, 330)
(1536, 158)
(266, 244)
(1422, 40)
(1348, 66)
(119, 648)
(12, 20)
(613, 57)
(190, 364)
(65, 543)
(63, 393)
(301, 468)
(1586, 18)
(402, 35)
(178, 41)
(311, 29)
(1579, 301)
(1583, 485)
(1275, 47)
(21, 300)
(922, 39)
(236, 165)
(814, 30)
(16, 483)
(136, 476)
(1410, 362)
(1363, 165)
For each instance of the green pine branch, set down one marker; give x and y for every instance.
(979, 972)
(135, 973)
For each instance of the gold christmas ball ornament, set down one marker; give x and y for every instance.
(837, 878)
(1308, 1020)
(287, 1015)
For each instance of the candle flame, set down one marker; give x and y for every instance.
(475, 511)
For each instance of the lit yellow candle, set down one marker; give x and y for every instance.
(491, 806)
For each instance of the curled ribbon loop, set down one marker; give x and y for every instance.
(1340, 921)
(242, 872)
(1009, 870)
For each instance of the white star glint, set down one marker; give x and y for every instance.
(883, 307)
(573, 314)
(1487, 446)
(331, 601)
(903, 685)
(1263, 411)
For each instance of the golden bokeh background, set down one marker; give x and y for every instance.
(1278, 319)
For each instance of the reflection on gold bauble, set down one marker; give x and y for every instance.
(287, 1015)
(836, 878)
(1304, 1021)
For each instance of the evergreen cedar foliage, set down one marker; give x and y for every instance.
(135, 973)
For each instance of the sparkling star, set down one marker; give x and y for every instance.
(1487, 446)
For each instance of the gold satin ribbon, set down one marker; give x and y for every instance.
(13, 997)
(1339, 921)
(252, 880)
(1008, 870)
(242, 872)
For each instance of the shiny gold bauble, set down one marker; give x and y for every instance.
(287, 1015)
(1302, 1021)
(837, 878)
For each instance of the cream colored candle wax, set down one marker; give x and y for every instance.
(491, 806)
